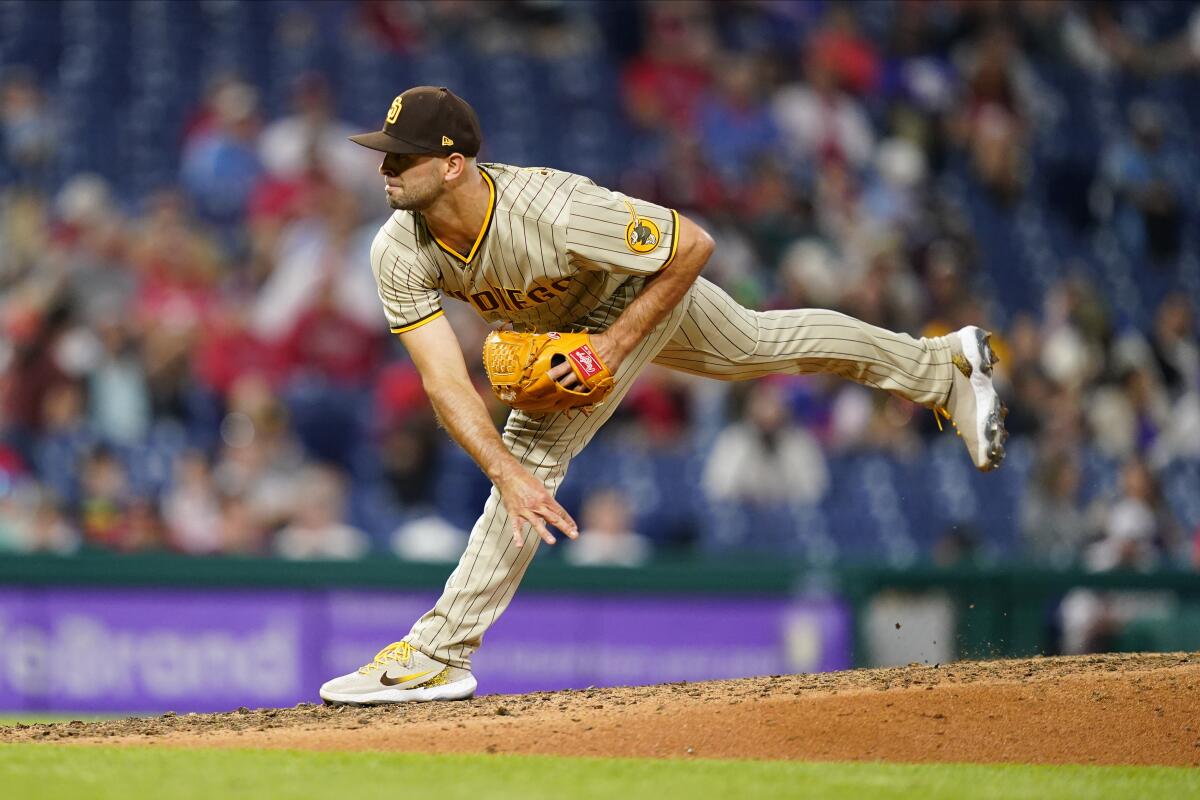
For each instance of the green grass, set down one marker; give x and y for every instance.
(31, 772)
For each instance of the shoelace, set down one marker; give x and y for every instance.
(938, 413)
(396, 651)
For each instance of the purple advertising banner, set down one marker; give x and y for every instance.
(154, 650)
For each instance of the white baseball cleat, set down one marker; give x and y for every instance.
(400, 674)
(974, 407)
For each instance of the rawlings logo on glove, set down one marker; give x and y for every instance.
(585, 361)
(518, 366)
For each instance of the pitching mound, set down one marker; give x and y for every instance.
(1113, 709)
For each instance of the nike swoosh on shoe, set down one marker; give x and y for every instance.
(387, 681)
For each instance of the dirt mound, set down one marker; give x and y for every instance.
(1112, 709)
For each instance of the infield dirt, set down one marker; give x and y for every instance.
(1110, 709)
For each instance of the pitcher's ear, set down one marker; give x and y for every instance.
(456, 165)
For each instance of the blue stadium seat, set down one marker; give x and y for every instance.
(328, 419)
(1101, 475)
(370, 508)
(865, 509)
(1181, 487)
(460, 488)
(56, 462)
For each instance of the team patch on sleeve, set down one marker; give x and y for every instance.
(642, 235)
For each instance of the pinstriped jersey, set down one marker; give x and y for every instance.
(555, 252)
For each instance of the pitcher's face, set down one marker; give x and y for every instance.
(412, 182)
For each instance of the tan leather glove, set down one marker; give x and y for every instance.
(518, 366)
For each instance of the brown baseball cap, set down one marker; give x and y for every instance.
(426, 120)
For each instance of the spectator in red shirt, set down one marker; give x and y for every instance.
(663, 88)
(33, 370)
(230, 350)
(853, 59)
(328, 343)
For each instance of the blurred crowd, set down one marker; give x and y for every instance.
(204, 368)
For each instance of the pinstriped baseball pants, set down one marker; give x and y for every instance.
(708, 334)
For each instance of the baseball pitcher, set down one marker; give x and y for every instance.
(592, 286)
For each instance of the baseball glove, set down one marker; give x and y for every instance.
(518, 366)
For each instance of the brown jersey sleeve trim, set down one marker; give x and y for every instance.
(413, 326)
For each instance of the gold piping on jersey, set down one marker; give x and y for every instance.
(674, 239)
(487, 224)
(413, 326)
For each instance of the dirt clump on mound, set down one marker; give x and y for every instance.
(1110, 709)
